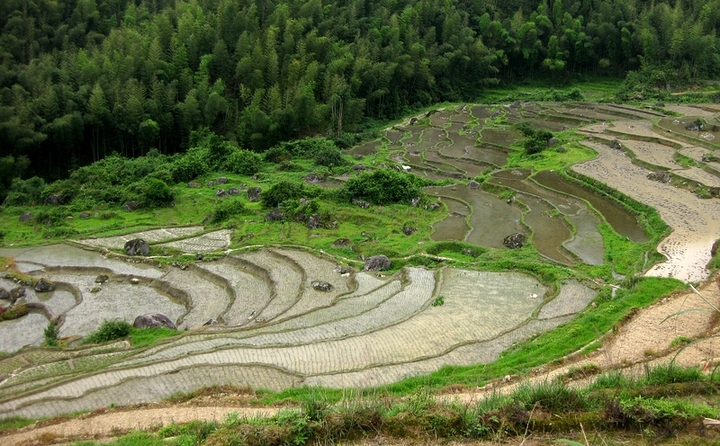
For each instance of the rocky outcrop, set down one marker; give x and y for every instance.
(319, 285)
(43, 286)
(660, 176)
(153, 320)
(514, 241)
(253, 194)
(377, 263)
(137, 247)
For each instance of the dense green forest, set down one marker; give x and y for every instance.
(81, 79)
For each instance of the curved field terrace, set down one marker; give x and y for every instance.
(257, 316)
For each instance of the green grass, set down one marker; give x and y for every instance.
(148, 336)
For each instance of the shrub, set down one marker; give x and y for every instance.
(25, 192)
(109, 330)
(227, 209)
(243, 162)
(329, 157)
(191, 165)
(156, 193)
(383, 187)
(282, 191)
(52, 333)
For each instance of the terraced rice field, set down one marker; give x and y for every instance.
(257, 317)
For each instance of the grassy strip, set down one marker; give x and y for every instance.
(548, 408)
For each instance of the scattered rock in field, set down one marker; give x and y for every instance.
(26, 216)
(552, 141)
(377, 263)
(274, 215)
(514, 241)
(84, 215)
(365, 234)
(313, 178)
(561, 149)
(362, 203)
(710, 158)
(341, 243)
(43, 286)
(55, 199)
(153, 320)
(199, 256)
(695, 126)
(4, 294)
(253, 194)
(413, 121)
(221, 193)
(343, 270)
(473, 184)
(319, 285)
(415, 201)
(194, 185)
(409, 230)
(359, 167)
(95, 289)
(107, 215)
(430, 113)
(222, 180)
(17, 293)
(102, 278)
(660, 176)
(211, 183)
(314, 222)
(136, 247)
(433, 206)
(130, 205)
(233, 191)
(211, 322)
(615, 144)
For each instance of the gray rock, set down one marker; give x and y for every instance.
(274, 215)
(514, 241)
(136, 247)
(211, 322)
(415, 201)
(413, 121)
(359, 167)
(695, 126)
(194, 185)
(222, 180)
(314, 222)
(84, 215)
(253, 194)
(211, 183)
(54, 199)
(660, 176)
(409, 230)
(342, 243)
(26, 216)
(377, 263)
(433, 206)
(516, 105)
(552, 141)
(234, 191)
(319, 285)
(473, 184)
(561, 149)
(313, 178)
(17, 293)
(130, 205)
(102, 278)
(4, 294)
(221, 193)
(153, 320)
(43, 286)
(615, 144)
(362, 203)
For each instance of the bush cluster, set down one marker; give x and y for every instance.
(109, 330)
(383, 187)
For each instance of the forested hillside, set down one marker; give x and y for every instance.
(81, 79)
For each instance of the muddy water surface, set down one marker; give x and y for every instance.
(454, 226)
(621, 220)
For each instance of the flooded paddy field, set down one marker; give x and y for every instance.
(278, 317)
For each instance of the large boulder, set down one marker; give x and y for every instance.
(514, 241)
(153, 320)
(253, 194)
(377, 263)
(552, 141)
(43, 286)
(136, 247)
